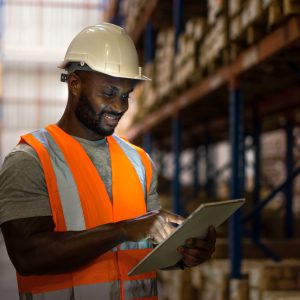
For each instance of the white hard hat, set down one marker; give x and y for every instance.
(105, 48)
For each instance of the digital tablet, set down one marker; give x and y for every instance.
(194, 226)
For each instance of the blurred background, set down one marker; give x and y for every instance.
(220, 119)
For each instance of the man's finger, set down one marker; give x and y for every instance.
(160, 229)
(211, 235)
(199, 244)
(196, 253)
(170, 229)
(166, 229)
(158, 237)
(170, 217)
(190, 260)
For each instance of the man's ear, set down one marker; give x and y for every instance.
(74, 84)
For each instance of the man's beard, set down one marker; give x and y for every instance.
(90, 119)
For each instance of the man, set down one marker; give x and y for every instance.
(78, 205)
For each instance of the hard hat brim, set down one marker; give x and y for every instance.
(63, 65)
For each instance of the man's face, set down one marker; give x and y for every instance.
(102, 102)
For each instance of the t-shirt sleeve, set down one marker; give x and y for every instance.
(23, 191)
(152, 199)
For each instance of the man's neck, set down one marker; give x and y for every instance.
(73, 127)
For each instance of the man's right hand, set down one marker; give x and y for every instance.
(154, 225)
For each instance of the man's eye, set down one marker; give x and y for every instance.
(108, 95)
(125, 97)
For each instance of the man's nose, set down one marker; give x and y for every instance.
(119, 105)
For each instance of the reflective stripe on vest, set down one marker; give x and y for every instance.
(79, 201)
(133, 289)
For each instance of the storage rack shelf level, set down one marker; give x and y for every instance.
(280, 42)
(203, 109)
(113, 14)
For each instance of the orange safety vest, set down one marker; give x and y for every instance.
(79, 200)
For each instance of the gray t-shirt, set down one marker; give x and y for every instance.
(23, 190)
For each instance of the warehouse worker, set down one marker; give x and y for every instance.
(78, 204)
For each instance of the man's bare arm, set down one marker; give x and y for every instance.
(35, 248)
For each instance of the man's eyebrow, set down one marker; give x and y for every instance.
(115, 89)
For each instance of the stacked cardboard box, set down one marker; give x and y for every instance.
(186, 62)
(291, 7)
(273, 155)
(164, 60)
(215, 8)
(250, 20)
(248, 23)
(239, 289)
(280, 9)
(214, 49)
(234, 10)
(296, 198)
(266, 276)
(148, 97)
(263, 280)
(134, 113)
(132, 12)
(234, 7)
(176, 285)
(281, 277)
(214, 280)
(291, 295)
(145, 93)
(252, 10)
(206, 44)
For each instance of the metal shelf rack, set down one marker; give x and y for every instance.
(229, 105)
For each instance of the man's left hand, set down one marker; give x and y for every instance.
(196, 251)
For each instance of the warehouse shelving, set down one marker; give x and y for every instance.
(113, 15)
(229, 104)
(268, 48)
(149, 9)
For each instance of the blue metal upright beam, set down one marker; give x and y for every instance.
(209, 171)
(149, 47)
(161, 162)
(147, 142)
(178, 8)
(176, 188)
(271, 196)
(289, 222)
(118, 18)
(176, 125)
(196, 184)
(257, 173)
(237, 176)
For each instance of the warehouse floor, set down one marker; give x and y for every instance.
(8, 283)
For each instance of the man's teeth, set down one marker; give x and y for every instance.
(109, 116)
